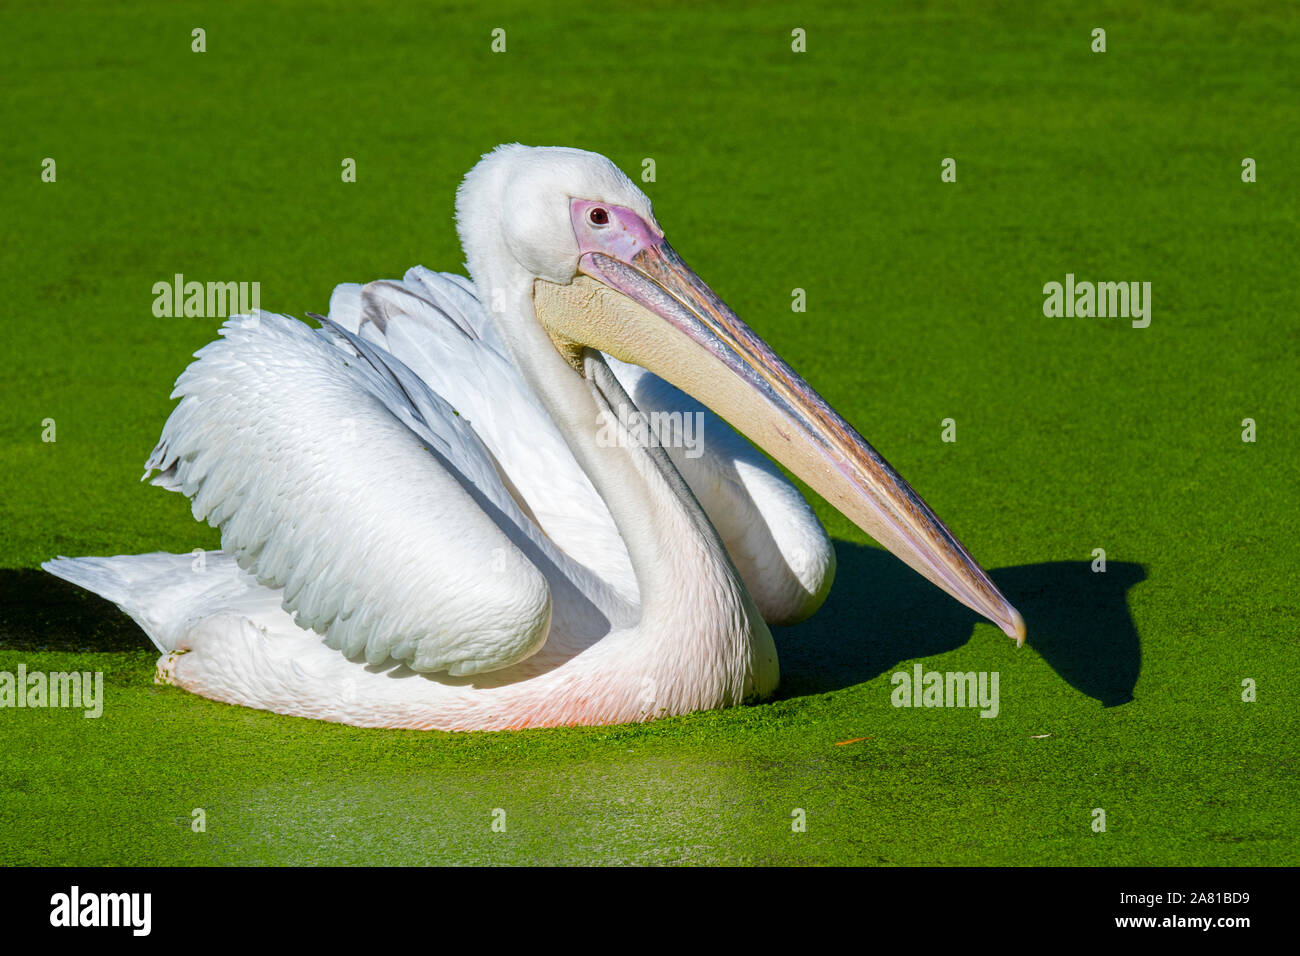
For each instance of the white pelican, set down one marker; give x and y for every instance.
(436, 510)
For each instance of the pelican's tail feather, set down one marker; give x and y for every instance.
(164, 593)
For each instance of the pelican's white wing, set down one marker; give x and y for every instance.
(334, 473)
(433, 324)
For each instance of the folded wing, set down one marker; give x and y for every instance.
(336, 474)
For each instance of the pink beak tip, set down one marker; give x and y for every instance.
(1014, 627)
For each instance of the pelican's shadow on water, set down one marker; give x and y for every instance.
(880, 612)
(39, 612)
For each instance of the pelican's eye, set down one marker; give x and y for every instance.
(598, 216)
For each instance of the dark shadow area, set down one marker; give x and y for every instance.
(881, 612)
(39, 612)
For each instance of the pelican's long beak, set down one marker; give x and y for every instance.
(653, 311)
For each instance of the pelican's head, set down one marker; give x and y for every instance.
(603, 277)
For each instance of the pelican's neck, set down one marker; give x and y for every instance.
(695, 612)
(668, 537)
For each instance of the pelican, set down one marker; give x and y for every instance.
(439, 509)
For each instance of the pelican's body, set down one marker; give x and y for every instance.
(439, 511)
